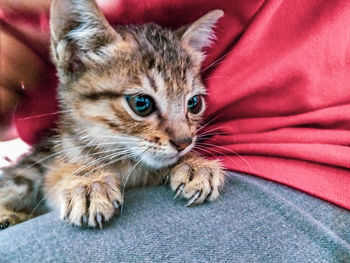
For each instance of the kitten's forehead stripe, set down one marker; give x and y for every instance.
(149, 84)
(161, 52)
(159, 80)
(152, 82)
(101, 95)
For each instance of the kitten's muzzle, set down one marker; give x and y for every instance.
(181, 143)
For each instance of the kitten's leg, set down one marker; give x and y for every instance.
(20, 187)
(197, 179)
(89, 197)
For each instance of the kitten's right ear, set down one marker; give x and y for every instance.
(199, 34)
(80, 34)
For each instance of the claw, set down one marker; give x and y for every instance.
(167, 179)
(208, 195)
(194, 198)
(5, 224)
(85, 219)
(116, 204)
(99, 219)
(179, 190)
(67, 215)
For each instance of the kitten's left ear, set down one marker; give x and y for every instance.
(199, 34)
(80, 34)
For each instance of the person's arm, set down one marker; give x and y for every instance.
(21, 66)
(32, 6)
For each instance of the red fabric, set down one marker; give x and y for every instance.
(278, 81)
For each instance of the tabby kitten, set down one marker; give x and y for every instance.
(131, 101)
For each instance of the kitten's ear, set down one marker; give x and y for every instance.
(199, 34)
(79, 34)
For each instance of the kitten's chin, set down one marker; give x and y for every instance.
(159, 163)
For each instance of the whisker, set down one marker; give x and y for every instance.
(206, 124)
(42, 115)
(219, 63)
(212, 130)
(106, 157)
(58, 153)
(125, 156)
(216, 61)
(208, 151)
(70, 149)
(127, 178)
(220, 154)
(227, 149)
(194, 150)
(208, 136)
(203, 149)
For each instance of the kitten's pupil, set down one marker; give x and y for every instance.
(194, 104)
(142, 105)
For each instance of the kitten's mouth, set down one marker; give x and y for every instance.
(158, 161)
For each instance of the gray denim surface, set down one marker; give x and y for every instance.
(254, 221)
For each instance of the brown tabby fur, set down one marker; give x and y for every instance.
(101, 146)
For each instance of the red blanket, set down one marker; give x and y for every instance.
(278, 79)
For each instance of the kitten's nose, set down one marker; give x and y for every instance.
(181, 143)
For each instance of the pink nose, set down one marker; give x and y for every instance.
(181, 143)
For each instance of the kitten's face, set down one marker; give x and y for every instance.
(150, 98)
(135, 88)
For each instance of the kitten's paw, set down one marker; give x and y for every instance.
(89, 201)
(197, 180)
(10, 218)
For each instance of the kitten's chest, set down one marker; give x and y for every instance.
(134, 175)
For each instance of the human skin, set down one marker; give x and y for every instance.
(33, 6)
(21, 67)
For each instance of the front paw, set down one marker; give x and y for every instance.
(197, 179)
(89, 201)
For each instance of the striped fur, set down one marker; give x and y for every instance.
(102, 146)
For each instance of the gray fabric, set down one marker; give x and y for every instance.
(254, 221)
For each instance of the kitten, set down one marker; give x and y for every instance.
(131, 101)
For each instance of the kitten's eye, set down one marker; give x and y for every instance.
(142, 105)
(195, 104)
